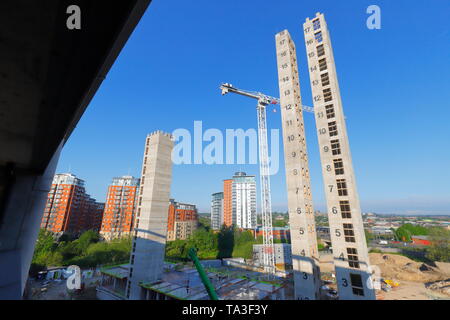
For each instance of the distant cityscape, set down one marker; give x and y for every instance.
(70, 209)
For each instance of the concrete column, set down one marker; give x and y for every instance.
(344, 213)
(300, 205)
(147, 256)
(19, 230)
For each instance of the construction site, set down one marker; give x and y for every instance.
(345, 274)
(147, 277)
(295, 235)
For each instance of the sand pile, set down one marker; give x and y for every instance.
(400, 268)
(440, 286)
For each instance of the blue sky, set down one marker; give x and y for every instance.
(395, 87)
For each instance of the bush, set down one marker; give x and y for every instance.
(407, 230)
(86, 251)
(439, 250)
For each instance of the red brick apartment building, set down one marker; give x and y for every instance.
(69, 209)
(182, 220)
(120, 207)
(228, 202)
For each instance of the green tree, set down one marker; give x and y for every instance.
(279, 223)
(45, 242)
(439, 250)
(44, 252)
(225, 242)
(369, 236)
(86, 239)
(176, 250)
(205, 241)
(407, 230)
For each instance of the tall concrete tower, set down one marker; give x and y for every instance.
(147, 254)
(346, 226)
(301, 212)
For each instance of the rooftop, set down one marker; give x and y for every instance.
(185, 284)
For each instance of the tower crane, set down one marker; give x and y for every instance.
(266, 205)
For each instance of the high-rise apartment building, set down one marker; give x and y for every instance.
(239, 202)
(228, 218)
(120, 206)
(69, 209)
(244, 200)
(182, 220)
(351, 259)
(216, 210)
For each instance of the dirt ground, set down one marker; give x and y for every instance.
(413, 277)
(409, 290)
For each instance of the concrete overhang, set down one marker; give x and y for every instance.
(49, 74)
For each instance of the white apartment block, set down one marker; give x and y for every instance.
(244, 200)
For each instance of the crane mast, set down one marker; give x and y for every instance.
(266, 204)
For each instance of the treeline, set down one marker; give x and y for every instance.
(229, 242)
(438, 250)
(407, 230)
(87, 251)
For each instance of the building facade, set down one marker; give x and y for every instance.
(282, 255)
(238, 203)
(216, 210)
(244, 200)
(351, 260)
(120, 207)
(228, 218)
(182, 220)
(69, 209)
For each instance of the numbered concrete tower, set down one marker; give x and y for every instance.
(147, 253)
(346, 226)
(301, 212)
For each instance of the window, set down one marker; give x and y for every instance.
(338, 166)
(332, 128)
(327, 95)
(318, 36)
(320, 50)
(342, 187)
(352, 258)
(325, 79)
(316, 24)
(345, 209)
(330, 111)
(335, 147)
(323, 64)
(348, 232)
(357, 284)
